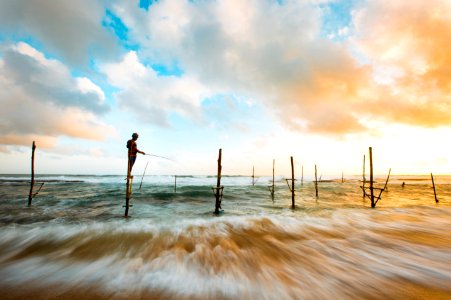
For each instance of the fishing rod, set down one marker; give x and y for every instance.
(159, 156)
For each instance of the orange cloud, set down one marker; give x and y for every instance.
(412, 40)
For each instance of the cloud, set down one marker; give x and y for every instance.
(153, 98)
(71, 30)
(408, 47)
(391, 66)
(41, 101)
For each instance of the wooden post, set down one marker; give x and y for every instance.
(292, 184)
(271, 188)
(363, 175)
(218, 189)
(253, 176)
(316, 182)
(373, 205)
(30, 195)
(342, 177)
(175, 183)
(302, 175)
(433, 185)
(128, 187)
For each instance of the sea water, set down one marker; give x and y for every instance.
(74, 241)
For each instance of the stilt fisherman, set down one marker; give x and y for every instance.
(133, 151)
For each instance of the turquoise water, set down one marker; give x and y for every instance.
(74, 235)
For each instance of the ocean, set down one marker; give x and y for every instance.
(74, 243)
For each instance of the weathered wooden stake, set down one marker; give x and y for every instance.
(316, 182)
(218, 189)
(373, 204)
(433, 185)
(363, 175)
(292, 184)
(175, 183)
(253, 176)
(30, 195)
(271, 187)
(342, 177)
(302, 175)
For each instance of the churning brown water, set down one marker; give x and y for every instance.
(73, 243)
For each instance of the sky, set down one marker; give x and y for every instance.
(319, 80)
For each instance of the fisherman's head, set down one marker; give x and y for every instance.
(135, 136)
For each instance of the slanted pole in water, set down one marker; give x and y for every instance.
(373, 204)
(342, 177)
(292, 184)
(218, 190)
(175, 183)
(30, 195)
(316, 182)
(433, 186)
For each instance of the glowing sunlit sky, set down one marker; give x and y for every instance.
(262, 79)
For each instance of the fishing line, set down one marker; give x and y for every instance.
(159, 156)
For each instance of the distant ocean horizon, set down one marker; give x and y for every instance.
(73, 242)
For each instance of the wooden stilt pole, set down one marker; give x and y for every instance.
(253, 176)
(219, 189)
(433, 185)
(316, 182)
(302, 175)
(373, 204)
(342, 177)
(292, 184)
(363, 175)
(30, 195)
(175, 183)
(271, 187)
(128, 188)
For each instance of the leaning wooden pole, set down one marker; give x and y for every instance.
(175, 183)
(292, 184)
(316, 182)
(218, 190)
(373, 204)
(433, 186)
(342, 177)
(30, 195)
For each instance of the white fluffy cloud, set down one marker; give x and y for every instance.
(152, 97)
(275, 53)
(41, 100)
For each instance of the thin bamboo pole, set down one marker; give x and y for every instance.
(30, 195)
(292, 184)
(302, 175)
(253, 175)
(316, 182)
(373, 204)
(175, 183)
(433, 185)
(272, 190)
(342, 177)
